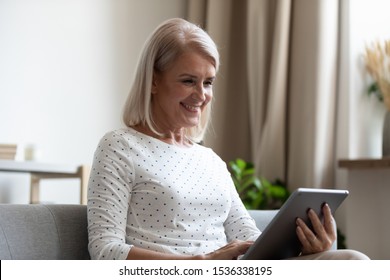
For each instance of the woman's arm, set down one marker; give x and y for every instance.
(229, 252)
(109, 192)
(239, 224)
(137, 253)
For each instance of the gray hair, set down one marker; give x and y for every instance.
(169, 40)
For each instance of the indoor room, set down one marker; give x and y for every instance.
(301, 99)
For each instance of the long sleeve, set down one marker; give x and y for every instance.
(109, 193)
(239, 224)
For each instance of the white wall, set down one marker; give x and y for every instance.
(360, 117)
(66, 67)
(365, 21)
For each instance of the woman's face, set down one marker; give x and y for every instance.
(181, 93)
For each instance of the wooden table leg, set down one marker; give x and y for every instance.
(34, 189)
(83, 172)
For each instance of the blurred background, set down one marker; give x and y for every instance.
(66, 67)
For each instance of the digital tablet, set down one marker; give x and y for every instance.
(279, 239)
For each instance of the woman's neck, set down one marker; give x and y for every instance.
(177, 138)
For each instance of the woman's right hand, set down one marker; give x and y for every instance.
(231, 251)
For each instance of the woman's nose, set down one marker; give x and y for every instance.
(199, 93)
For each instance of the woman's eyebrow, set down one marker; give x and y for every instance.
(186, 75)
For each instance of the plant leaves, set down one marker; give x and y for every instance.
(255, 192)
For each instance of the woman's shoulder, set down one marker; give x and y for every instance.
(124, 132)
(208, 153)
(118, 135)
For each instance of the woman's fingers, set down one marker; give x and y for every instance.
(328, 221)
(307, 237)
(321, 237)
(230, 251)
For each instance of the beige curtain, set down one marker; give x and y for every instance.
(224, 19)
(269, 26)
(312, 93)
(275, 93)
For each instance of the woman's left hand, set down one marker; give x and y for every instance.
(323, 235)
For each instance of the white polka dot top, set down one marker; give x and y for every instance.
(147, 193)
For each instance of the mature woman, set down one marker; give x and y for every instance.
(154, 193)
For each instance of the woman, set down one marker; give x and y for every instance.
(154, 193)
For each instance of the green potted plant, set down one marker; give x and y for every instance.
(256, 192)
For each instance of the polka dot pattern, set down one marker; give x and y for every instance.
(146, 193)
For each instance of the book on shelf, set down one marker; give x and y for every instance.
(8, 151)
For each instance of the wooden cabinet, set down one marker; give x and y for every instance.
(368, 206)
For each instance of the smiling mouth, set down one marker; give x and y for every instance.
(190, 108)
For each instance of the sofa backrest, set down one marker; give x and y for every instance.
(262, 217)
(46, 232)
(50, 232)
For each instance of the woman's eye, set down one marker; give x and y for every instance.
(189, 82)
(208, 83)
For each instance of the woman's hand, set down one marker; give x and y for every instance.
(230, 252)
(323, 236)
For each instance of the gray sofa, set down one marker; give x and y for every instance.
(51, 232)
(46, 232)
